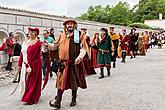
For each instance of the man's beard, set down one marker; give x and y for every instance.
(70, 29)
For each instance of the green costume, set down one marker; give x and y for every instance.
(104, 52)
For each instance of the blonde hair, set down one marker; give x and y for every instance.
(17, 37)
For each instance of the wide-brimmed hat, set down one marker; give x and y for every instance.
(111, 27)
(69, 20)
(34, 29)
(84, 29)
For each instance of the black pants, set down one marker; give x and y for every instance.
(9, 64)
(115, 55)
(123, 56)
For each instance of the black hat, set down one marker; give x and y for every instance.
(104, 29)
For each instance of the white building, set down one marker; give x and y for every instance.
(156, 23)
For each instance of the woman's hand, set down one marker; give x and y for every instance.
(4, 40)
(28, 70)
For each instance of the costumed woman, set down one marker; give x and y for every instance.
(30, 64)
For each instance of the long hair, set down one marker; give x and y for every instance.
(94, 37)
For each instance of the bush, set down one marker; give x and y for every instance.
(139, 25)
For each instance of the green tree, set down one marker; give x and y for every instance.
(148, 9)
(120, 14)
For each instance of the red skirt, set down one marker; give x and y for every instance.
(94, 53)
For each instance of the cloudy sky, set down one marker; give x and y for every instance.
(70, 8)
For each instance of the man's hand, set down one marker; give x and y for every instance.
(78, 60)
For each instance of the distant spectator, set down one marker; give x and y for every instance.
(9, 51)
(16, 55)
(52, 33)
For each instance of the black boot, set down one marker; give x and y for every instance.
(108, 71)
(73, 102)
(102, 73)
(114, 64)
(56, 103)
(124, 56)
(74, 96)
(131, 57)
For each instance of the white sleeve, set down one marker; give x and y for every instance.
(53, 46)
(82, 53)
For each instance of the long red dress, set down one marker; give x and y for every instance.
(94, 53)
(31, 85)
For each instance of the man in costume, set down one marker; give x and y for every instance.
(124, 42)
(133, 43)
(146, 40)
(141, 45)
(72, 48)
(87, 59)
(9, 44)
(104, 52)
(115, 40)
(9, 51)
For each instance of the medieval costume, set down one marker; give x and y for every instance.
(31, 68)
(133, 43)
(141, 45)
(94, 51)
(124, 42)
(9, 51)
(104, 52)
(115, 41)
(146, 41)
(87, 59)
(72, 47)
(160, 44)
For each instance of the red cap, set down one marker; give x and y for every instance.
(34, 29)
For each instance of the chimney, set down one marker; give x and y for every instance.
(160, 16)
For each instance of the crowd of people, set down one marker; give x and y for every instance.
(72, 55)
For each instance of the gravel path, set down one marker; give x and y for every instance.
(137, 85)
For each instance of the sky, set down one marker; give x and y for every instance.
(69, 8)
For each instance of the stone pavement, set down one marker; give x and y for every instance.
(137, 85)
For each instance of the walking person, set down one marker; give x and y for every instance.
(71, 75)
(115, 42)
(9, 51)
(104, 52)
(30, 64)
(124, 40)
(45, 52)
(15, 58)
(133, 45)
